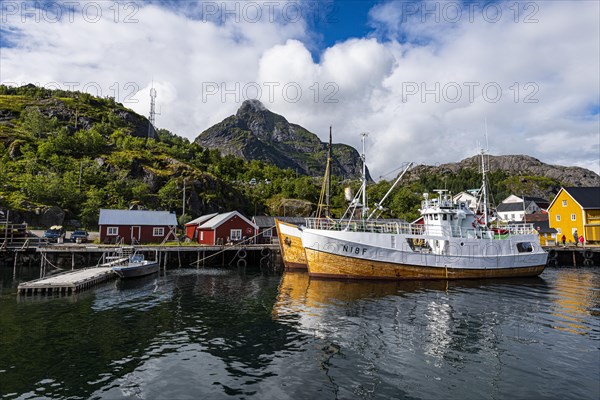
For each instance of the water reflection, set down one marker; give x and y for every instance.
(576, 297)
(140, 293)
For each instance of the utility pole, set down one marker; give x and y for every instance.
(183, 213)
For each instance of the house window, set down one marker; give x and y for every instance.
(158, 232)
(268, 233)
(235, 234)
(573, 217)
(558, 231)
(564, 203)
(201, 235)
(112, 231)
(512, 217)
(558, 217)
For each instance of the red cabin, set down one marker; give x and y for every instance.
(221, 229)
(136, 226)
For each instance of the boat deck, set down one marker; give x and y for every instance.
(68, 282)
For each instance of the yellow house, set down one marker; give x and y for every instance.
(576, 209)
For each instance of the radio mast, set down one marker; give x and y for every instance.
(152, 117)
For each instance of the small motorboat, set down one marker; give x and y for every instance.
(135, 266)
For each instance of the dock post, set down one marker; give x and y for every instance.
(72, 261)
(574, 260)
(197, 259)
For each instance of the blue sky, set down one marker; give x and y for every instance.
(420, 77)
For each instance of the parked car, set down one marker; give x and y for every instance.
(79, 237)
(55, 233)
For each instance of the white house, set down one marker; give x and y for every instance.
(514, 208)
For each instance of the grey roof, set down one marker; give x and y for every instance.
(266, 221)
(201, 220)
(506, 207)
(217, 220)
(587, 197)
(136, 217)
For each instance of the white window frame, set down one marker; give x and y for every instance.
(157, 229)
(573, 217)
(268, 233)
(235, 234)
(112, 231)
(558, 217)
(564, 203)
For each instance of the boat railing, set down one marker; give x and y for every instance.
(417, 229)
(364, 226)
(520, 229)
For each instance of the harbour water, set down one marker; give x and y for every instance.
(229, 333)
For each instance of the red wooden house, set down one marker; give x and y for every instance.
(191, 228)
(225, 228)
(136, 226)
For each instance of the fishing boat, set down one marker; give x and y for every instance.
(289, 235)
(452, 243)
(290, 244)
(135, 266)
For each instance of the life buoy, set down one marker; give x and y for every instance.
(242, 253)
(588, 262)
(553, 262)
(265, 252)
(588, 254)
(552, 254)
(248, 230)
(241, 263)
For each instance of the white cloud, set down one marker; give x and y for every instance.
(204, 67)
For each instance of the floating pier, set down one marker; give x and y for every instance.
(67, 283)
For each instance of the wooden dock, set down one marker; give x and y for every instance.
(68, 282)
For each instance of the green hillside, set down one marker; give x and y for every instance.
(64, 155)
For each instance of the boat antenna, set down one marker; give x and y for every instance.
(365, 209)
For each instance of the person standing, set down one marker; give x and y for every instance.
(564, 240)
(576, 237)
(581, 240)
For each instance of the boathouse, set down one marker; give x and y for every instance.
(576, 209)
(231, 227)
(191, 228)
(267, 233)
(136, 226)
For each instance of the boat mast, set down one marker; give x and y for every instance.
(323, 209)
(485, 194)
(378, 206)
(327, 193)
(364, 177)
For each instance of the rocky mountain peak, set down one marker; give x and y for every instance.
(252, 106)
(256, 133)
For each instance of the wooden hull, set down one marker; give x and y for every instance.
(290, 243)
(327, 265)
(136, 271)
